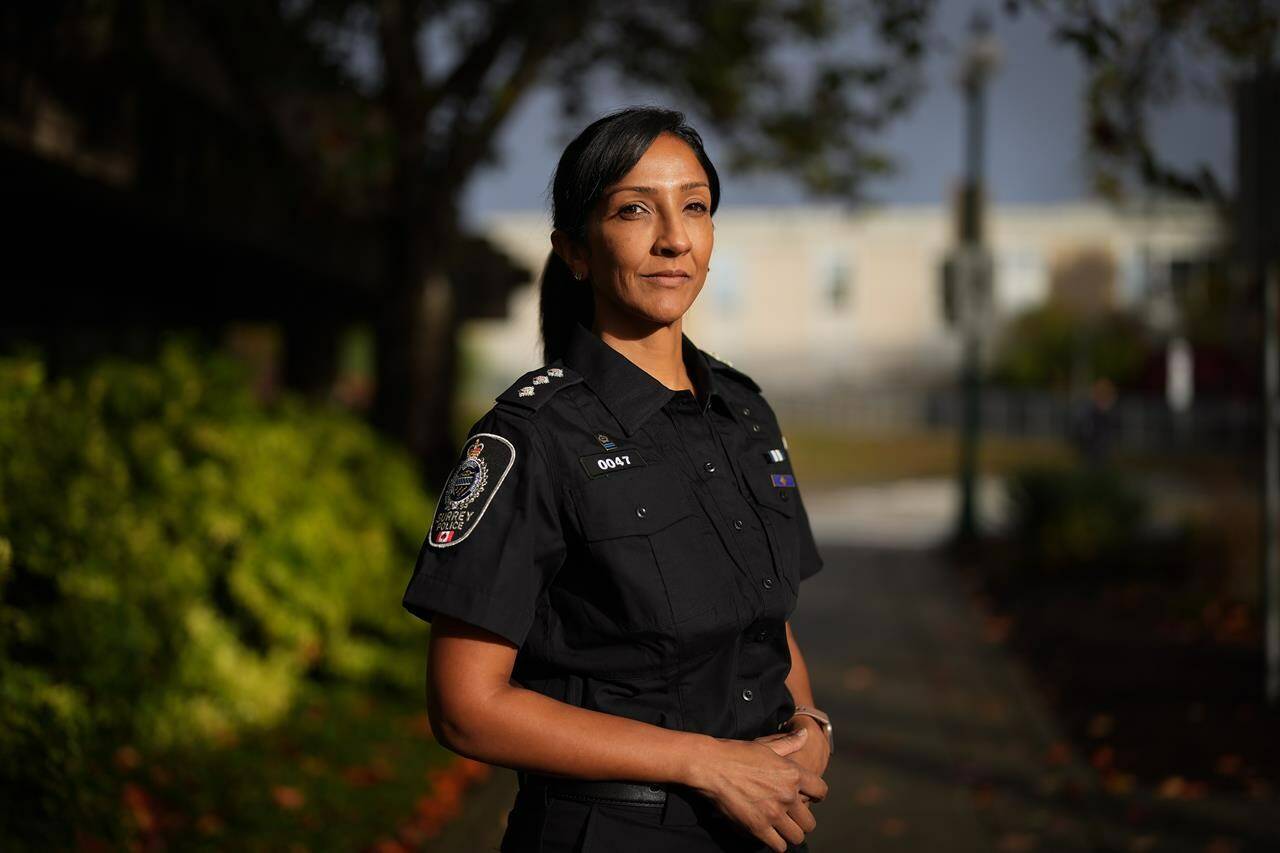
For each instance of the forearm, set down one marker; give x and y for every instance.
(522, 729)
(797, 680)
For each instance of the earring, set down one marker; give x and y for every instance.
(578, 276)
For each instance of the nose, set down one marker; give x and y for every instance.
(673, 238)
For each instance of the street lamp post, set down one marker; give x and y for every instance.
(971, 262)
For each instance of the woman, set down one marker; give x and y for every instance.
(613, 560)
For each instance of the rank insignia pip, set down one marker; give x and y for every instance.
(470, 488)
(540, 380)
(526, 391)
(605, 441)
(555, 371)
(783, 480)
(776, 455)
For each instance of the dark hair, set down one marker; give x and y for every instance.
(600, 155)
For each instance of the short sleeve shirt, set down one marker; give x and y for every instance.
(641, 547)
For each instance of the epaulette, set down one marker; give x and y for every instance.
(536, 387)
(724, 366)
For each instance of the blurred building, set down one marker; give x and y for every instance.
(805, 298)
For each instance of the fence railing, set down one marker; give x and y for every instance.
(1131, 422)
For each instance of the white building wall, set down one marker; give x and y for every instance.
(767, 305)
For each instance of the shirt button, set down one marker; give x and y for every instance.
(641, 512)
(784, 494)
(748, 695)
(745, 410)
(762, 636)
(737, 524)
(755, 427)
(709, 466)
(768, 583)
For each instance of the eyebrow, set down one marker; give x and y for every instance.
(650, 190)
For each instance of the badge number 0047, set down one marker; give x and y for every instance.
(486, 460)
(599, 464)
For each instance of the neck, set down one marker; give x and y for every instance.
(655, 349)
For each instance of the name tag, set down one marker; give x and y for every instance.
(606, 463)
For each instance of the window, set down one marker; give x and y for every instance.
(724, 282)
(835, 284)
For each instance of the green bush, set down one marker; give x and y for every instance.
(175, 558)
(1076, 521)
(1043, 346)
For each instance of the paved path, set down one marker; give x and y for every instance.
(941, 746)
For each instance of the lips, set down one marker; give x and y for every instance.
(667, 275)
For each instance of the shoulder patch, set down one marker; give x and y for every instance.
(719, 364)
(471, 486)
(536, 387)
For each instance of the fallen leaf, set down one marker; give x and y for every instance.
(127, 758)
(859, 678)
(1017, 842)
(869, 794)
(138, 804)
(1229, 765)
(893, 827)
(1101, 725)
(1059, 753)
(288, 797)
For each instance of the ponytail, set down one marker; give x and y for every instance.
(563, 301)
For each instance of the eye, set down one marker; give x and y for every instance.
(627, 209)
(701, 207)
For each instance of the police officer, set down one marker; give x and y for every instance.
(614, 558)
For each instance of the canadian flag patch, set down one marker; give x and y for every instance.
(444, 536)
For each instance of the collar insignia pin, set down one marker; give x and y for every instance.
(605, 441)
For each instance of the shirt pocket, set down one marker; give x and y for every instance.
(651, 548)
(779, 503)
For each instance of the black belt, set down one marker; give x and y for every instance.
(595, 791)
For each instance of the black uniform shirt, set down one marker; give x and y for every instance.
(642, 547)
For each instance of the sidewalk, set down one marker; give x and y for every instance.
(941, 745)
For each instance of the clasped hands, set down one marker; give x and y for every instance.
(768, 791)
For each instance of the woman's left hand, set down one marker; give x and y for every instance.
(816, 752)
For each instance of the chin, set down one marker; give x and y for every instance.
(665, 312)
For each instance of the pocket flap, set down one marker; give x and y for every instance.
(759, 474)
(633, 502)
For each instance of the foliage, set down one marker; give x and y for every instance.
(346, 766)
(1141, 56)
(1049, 346)
(1075, 522)
(175, 559)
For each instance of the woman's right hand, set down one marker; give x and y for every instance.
(753, 783)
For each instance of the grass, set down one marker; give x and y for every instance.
(825, 457)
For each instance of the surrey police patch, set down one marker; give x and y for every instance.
(471, 486)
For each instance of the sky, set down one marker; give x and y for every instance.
(1034, 132)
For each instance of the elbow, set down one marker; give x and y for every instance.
(456, 724)
(449, 733)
